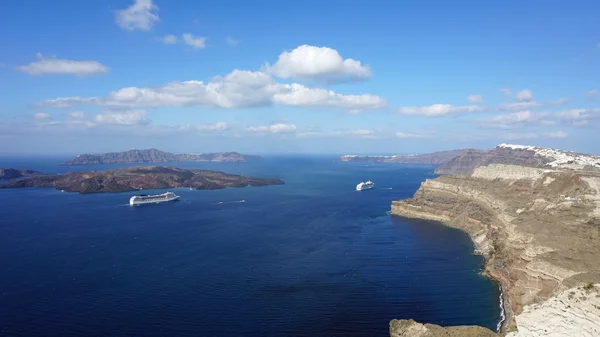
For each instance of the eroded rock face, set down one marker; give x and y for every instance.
(539, 229)
(140, 178)
(574, 312)
(410, 328)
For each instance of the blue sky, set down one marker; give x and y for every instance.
(312, 76)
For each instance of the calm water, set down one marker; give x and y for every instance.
(312, 257)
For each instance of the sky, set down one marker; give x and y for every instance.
(347, 77)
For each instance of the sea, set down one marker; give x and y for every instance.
(312, 257)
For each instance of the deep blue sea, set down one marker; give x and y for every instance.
(312, 257)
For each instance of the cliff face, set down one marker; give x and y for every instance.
(539, 229)
(136, 178)
(10, 173)
(530, 156)
(435, 158)
(156, 156)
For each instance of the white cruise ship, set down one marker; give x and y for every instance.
(365, 185)
(152, 199)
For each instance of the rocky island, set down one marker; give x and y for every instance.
(11, 173)
(434, 158)
(535, 217)
(157, 156)
(139, 178)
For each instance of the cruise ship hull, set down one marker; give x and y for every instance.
(140, 200)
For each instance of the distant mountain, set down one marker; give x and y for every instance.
(522, 155)
(156, 156)
(10, 173)
(434, 158)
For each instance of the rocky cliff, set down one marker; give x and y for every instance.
(538, 228)
(140, 178)
(531, 156)
(10, 173)
(156, 156)
(435, 158)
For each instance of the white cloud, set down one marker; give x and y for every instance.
(519, 106)
(475, 99)
(515, 119)
(42, 116)
(361, 133)
(196, 42)
(524, 96)
(439, 110)
(319, 64)
(231, 41)
(405, 135)
(55, 66)
(299, 95)
(169, 39)
(577, 117)
(238, 89)
(506, 91)
(273, 128)
(76, 115)
(142, 15)
(591, 94)
(220, 126)
(533, 135)
(133, 117)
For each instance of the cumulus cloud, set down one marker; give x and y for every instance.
(231, 41)
(55, 66)
(405, 135)
(141, 15)
(273, 128)
(42, 116)
(475, 99)
(533, 135)
(238, 89)
(76, 115)
(299, 95)
(439, 110)
(506, 91)
(196, 42)
(133, 117)
(318, 64)
(169, 39)
(524, 96)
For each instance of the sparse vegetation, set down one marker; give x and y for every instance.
(589, 286)
(513, 328)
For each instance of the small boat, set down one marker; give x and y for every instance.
(365, 185)
(152, 199)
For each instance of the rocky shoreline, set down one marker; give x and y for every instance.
(538, 229)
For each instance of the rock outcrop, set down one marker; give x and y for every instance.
(538, 228)
(10, 173)
(522, 155)
(156, 156)
(140, 178)
(435, 158)
(410, 328)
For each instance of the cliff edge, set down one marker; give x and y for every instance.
(539, 230)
